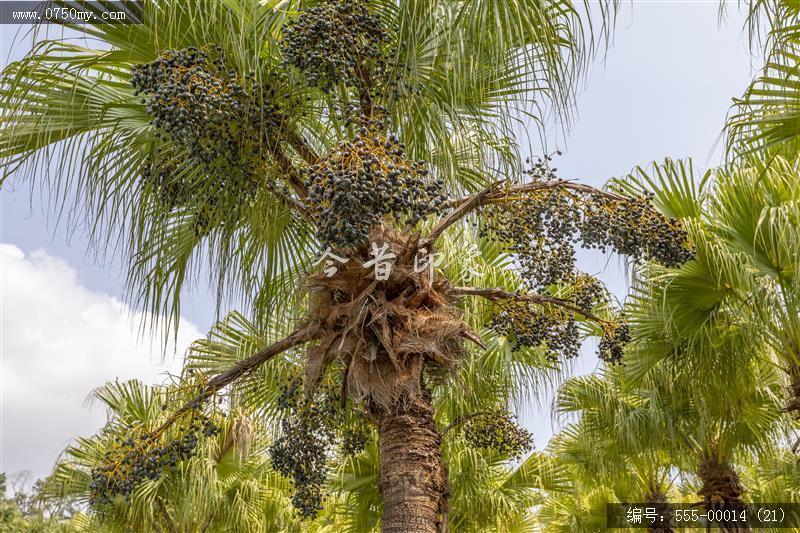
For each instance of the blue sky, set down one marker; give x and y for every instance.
(663, 90)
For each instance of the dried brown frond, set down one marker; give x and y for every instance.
(384, 332)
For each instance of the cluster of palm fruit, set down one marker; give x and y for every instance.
(497, 430)
(365, 179)
(612, 343)
(636, 229)
(137, 458)
(300, 454)
(542, 226)
(531, 325)
(164, 175)
(528, 324)
(337, 42)
(308, 432)
(219, 121)
(354, 438)
(587, 292)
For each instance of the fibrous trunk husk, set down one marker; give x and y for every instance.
(383, 332)
(656, 498)
(721, 487)
(413, 482)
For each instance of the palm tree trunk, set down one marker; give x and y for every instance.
(721, 488)
(413, 482)
(793, 405)
(656, 498)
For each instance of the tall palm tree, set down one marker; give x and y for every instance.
(487, 490)
(240, 139)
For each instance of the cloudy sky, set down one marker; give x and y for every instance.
(664, 90)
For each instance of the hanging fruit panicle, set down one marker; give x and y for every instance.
(497, 430)
(541, 228)
(143, 455)
(200, 104)
(338, 42)
(529, 324)
(613, 340)
(309, 430)
(210, 119)
(363, 180)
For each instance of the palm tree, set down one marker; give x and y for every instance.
(659, 426)
(699, 394)
(488, 492)
(241, 139)
(595, 472)
(773, 477)
(229, 485)
(743, 221)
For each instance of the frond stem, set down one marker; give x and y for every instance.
(495, 294)
(299, 336)
(302, 147)
(168, 523)
(495, 193)
(286, 166)
(463, 418)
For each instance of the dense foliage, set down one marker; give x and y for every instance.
(251, 137)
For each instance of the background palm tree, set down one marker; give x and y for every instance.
(700, 405)
(229, 485)
(743, 220)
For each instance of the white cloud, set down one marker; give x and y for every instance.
(58, 341)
